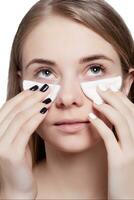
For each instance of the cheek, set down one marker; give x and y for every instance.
(45, 128)
(42, 129)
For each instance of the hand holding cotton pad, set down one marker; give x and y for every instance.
(53, 87)
(89, 88)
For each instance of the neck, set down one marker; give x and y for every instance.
(84, 174)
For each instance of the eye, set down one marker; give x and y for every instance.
(45, 73)
(96, 69)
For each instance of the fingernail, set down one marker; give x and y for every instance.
(98, 102)
(103, 87)
(47, 101)
(114, 88)
(44, 88)
(92, 116)
(43, 110)
(34, 88)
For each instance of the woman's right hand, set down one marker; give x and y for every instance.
(19, 118)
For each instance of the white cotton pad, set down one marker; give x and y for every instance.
(54, 89)
(89, 88)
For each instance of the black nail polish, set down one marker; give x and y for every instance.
(44, 88)
(47, 101)
(34, 88)
(43, 110)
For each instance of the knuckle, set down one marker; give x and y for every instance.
(119, 119)
(126, 112)
(37, 93)
(4, 151)
(24, 93)
(21, 116)
(17, 108)
(27, 92)
(8, 156)
(16, 159)
(25, 129)
(4, 155)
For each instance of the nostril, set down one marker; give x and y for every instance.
(69, 95)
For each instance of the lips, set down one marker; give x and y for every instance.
(71, 126)
(70, 122)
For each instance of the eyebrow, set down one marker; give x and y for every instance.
(81, 61)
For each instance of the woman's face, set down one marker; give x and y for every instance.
(70, 54)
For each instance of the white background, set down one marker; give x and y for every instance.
(11, 13)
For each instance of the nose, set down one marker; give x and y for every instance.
(69, 95)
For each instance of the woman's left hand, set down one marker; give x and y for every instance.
(119, 110)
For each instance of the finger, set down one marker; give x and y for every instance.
(126, 101)
(107, 135)
(18, 122)
(24, 104)
(8, 106)
(119, 122)
(115, 101)
(130, 114)
(21, 141)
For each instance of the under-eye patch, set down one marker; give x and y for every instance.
(54, 89)
(89, 88)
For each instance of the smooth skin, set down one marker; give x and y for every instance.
(120, 111)
(19, 118)
(76, 166)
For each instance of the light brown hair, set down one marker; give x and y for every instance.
(94, 14)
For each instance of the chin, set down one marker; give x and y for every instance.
(74, 142)
(74, 145)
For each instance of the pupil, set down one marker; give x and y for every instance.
(46, 72)
(96, 69)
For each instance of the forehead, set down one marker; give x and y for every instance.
(60, 39)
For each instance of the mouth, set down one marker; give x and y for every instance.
(71, 126)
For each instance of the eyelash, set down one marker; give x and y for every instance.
(99, 66)
(43, 69)
(92, 66)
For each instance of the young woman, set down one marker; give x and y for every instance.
(71, 148)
